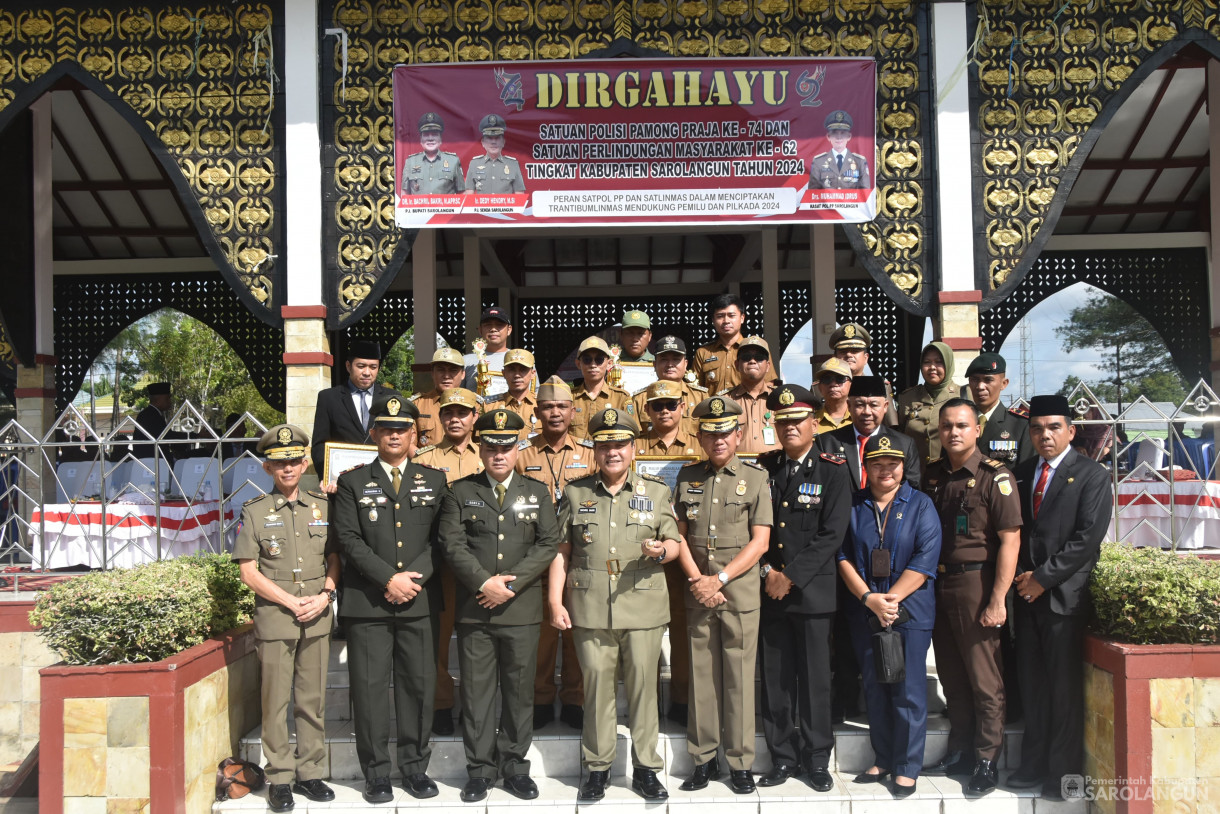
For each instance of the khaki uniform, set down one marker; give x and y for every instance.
(431, 176)
(586, 406)
(490, 176)
(919, 417)
(719, 507)
(445, 457)
(428, 429)
(825, 172)
(526, 407)
(974, 503)
(619, 606)
(556, 468)
(715, 365)
(757, 422)
(290, 543)
(827, 424)
(684, 443)
(692, 394)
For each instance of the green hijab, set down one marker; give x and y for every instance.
(946, 353)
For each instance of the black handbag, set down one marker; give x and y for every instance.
(889, 657)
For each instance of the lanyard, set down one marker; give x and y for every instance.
(547, 453)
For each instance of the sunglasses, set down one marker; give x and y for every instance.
(832, 379)
(669, 405)
(590, 359)
(752, 357)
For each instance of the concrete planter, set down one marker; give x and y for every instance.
(146, 737)
(1152, 727)
(22, 653)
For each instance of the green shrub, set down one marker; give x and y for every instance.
(146, 613)
(1150, 596)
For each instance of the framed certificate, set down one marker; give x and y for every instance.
(637, 375)
(342, 457)
(664, 467)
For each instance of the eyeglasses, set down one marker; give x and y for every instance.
(833, 379)
(670, 405)
(752, 357)
(590, 359)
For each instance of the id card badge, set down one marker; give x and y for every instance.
(879, 563)
(963, 524)
(768, 435)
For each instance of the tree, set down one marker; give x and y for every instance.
(396, 364)
(1137, 359)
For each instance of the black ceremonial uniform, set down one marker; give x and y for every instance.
(811, 509)
(1005, 436)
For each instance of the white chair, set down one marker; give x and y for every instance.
(1151, 455)
(142, 478)
(245, 471)
(78, 479)
(196, 479)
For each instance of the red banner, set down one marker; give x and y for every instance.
(610, 142)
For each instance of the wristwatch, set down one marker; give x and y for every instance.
(765, 570)
(723, 577)
(331, 595)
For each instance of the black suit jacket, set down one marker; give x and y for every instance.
(335, 419)
(1004, 428)
(382, 534)
(1062, 544)
(806, 547)
(843, 442)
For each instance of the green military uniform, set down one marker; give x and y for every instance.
(919, 406)
(385, 531)
(719, 506)
(617, 599)
(288, 539)
(431, 176)
(483, 537)
(491, 176)
(827, 171)
(1005, 435)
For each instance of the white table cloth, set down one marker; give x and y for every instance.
(72, 533)
(1143, 511)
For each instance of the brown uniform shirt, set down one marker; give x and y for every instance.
(586, 406)
(445, 457)
(556, 466)
(828, 424)
(974, 502)
(692, 394)
(525, 407)
(714, 364)
(684, 443)
(757, 422)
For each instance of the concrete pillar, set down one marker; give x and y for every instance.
(770, 292)
(423, 305)
(472, 288)
(822, 290)
(1213, 170)
(957, 316)
(308, 360)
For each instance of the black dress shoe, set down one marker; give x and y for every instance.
(476, 789)
(741, 781)
(954, 764)
(572, 715)
(543, 715)
(378, 790)
(315, 790)
(864, 777)
(820, 779)
(902, 792)
(779, 773)
(677, 714)
(701, 775)
(521, 786)
(984, 777)
(419, 786)
(594, 787)
(279, 797)
(442, 722)
(644, 782)
(1021, 779)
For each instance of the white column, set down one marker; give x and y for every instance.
(1213, 170)
(302, 154)
(770, 292)
(423, 294)
(44, 272)
(954, 215)
(822, 289)
(472, 286)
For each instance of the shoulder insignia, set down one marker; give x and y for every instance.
(693, 463)
(1020, 412)
(480, 399)
(651, 477)
(429, 467)
(422, 450)
(354, 468)
(723, 392)
(933, 461)
(832, 458)
(255, 499)
(641, 390)
(698, 387)
(992, 463)
(527, 477)
(770, 455)
(524, 444)
(585, 442)
(318, 494)
(754, 465)
(494, 399)
(414, 396)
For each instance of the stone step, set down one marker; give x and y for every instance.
(556, 749)
(557, 795)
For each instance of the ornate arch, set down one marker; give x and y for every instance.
(187, 78)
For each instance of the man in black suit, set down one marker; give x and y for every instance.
(386, 517)
(342, 413)
(1066, 501)
(867, 405)
(811, 497)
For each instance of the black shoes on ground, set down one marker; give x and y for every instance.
(279, 797)
(594, 787)
(572, 715)
(983, 779)
(521, 786)
(864, 778)
(741, 781)
(902, 792)
(954, 764)
(476, 789)
(419, 786)
(700, 777)
(543, 715)
(442, 722)
(378, 790)
(644, 782)
(820, 779)
(779, 773)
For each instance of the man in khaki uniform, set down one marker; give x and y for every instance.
(753, 366)
(713, 364)
(431, 171)
(594, 394)
(556, 458)
(724, 514)
(833, 380)
(493, 172)
(670, 366)
(447, 373)
(851, 343)
(519, 376)
(617, 529)
(285, 559)
(457, 455)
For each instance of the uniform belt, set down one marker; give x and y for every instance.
(953, 569)
(613, 566)
(713, 543)
(295, 575)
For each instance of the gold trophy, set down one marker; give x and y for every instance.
(615, 376)
(482, 373)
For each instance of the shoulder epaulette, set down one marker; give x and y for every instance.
(641, 390)
(834, 459)
(312, 493)
(585, 442)
(724, 392)
(992, 463)
(933, 461)
(480, 399)
(429, 467)
(1020, 412)
(253, 499)
(523, 475)
(651, 477)
(414, 396)
(693, 463)
(524, 443)
(699, 387)
(422, 450)
(771, 453)
(754, 465)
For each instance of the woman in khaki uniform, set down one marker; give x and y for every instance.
(919, 406)
(618, 528)
(285, 559)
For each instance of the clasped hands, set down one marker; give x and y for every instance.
(308, 608)
(707, 591)
(402, 587)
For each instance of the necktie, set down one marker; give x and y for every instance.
(793, 468)
(839, 159)
(863, 474)
(1041, 487)
(364, 408)
(395, 480)
(501, 491)
(982, 424)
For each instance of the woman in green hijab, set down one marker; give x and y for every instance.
(919, 406)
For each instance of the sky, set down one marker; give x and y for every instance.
(1049, 365)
